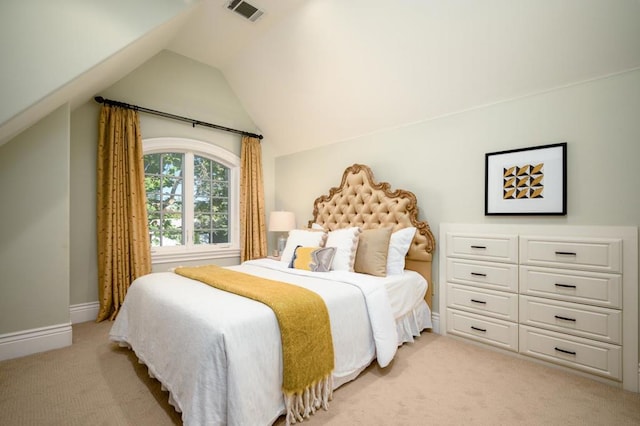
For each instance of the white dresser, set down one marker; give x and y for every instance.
(482, 288)
(554, 293)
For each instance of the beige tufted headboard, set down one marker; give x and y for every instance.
(360, 201)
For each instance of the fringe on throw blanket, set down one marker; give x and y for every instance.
(301, 405)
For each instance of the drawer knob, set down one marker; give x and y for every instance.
(564, 351)
(566, 253)
(564, 318)
(565, 285)
(482, 302)
(478, 274)
(484, 330)
(479, 247)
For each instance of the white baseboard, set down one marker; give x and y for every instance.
(83, 312)
(22, 343)
(435, 320)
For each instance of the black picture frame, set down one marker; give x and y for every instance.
(526, 181)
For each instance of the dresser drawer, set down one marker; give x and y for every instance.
(496, 248)
(595, 254)
(496, 276)
(573, 286)
(492, 331)
(591, 322)
(497, 304)
(593, 357)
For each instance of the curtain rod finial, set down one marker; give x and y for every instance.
(99, 99)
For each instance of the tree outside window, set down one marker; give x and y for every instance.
(164, 184)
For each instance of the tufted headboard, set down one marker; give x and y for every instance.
(360, 201)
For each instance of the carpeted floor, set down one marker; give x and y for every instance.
(436, 380)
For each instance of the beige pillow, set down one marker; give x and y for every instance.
(373, 249)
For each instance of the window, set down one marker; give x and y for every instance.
(192, 199)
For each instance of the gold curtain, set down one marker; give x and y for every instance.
(253, 234)
(124, 251)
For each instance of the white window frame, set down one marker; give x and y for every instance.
(189, 251)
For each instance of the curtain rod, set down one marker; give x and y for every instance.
(193, 122)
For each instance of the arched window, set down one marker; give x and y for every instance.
(192, 199)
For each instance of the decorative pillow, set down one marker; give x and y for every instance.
(346, 242)
(304, 238)
(316, 259)
(373, 249)
(398, 248)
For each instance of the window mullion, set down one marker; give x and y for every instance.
(188, 198)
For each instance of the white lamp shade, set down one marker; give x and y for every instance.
(281, 221)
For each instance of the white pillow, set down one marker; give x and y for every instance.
(304, 238)
(346, 243)
(398, 248)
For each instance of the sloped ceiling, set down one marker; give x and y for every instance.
(66, 51)
(315, 72)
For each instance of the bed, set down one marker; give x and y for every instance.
(219, 355)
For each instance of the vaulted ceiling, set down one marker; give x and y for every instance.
(316, 72)
(321, 71)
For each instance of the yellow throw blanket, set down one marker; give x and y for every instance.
(307, 345)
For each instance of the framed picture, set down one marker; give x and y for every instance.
(527, 181)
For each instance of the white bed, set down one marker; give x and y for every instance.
(177, 326)
(219, 355)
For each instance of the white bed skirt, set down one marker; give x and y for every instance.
(413, 322)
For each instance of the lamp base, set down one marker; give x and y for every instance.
(282, 242)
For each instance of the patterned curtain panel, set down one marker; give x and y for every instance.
(124, 251)
(253, 234)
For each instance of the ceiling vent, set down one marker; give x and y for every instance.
(243, 8)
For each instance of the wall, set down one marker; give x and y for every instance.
(167, 82)
(442, 160)
(51, 43)
(34, 224)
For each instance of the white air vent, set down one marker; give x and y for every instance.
(243, 8)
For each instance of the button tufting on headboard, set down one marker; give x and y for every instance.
(360, 201)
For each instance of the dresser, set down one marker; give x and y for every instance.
(560, 294)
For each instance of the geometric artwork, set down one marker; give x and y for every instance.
(526, 181)
(520, 182)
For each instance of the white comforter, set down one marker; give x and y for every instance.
(219, 354)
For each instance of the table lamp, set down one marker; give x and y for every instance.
(283, 222)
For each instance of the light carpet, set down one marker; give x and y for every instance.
(436, 380)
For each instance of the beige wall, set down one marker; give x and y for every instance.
(167, 82)
(442, 160)
(34, 224)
